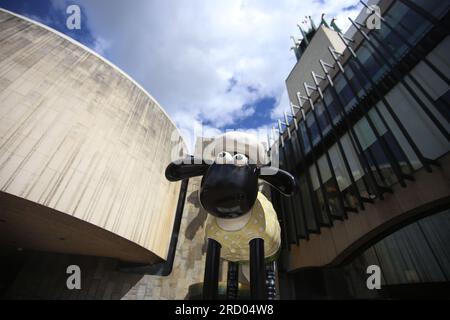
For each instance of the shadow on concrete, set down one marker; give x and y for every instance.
(42, 275)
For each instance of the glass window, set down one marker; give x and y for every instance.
(286, 203)
(352, 157)
(377, 122)
(345, 92)
(391, 141)
(304, 137)
(342, 177)
(375, 152)
(366, 56)
(314, 177)
(390, 44)
(407, 149)
(322, 117)
(365, 134)
(437, 230)
(403, 255)
(355, 81)
(333, 195)
(298, 211)
(324, 168)
(296, 147)
(340, 171)
(307, 199)
(443, 106)
(362, 76)
(417, 253)
(332, 105)
(405, 21)
(313, 128)
(331, 187)
(286, 208)
(323, 206)
(289, 151)
(355, 168)
(437, 8)
(422, 130)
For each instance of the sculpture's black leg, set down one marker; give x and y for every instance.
(211, 279)
(257, 270)
(232, 280)
(271, 281)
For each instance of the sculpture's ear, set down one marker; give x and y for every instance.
(281, 180)
(186, 168)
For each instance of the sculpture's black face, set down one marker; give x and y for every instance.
(228, 190)
(230, 185)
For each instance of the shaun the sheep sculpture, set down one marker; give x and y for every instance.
(241, 222)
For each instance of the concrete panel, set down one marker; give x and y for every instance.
(316, 50)
(79, 136)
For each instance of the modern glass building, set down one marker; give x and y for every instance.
(367, 136)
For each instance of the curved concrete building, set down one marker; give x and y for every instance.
(83, 150)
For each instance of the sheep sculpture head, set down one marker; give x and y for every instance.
(229, 186)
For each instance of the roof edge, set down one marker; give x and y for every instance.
(84, 47)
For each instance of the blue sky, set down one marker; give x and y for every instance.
(221, 64)
(44, 12)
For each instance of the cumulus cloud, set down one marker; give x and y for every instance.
(207, 61)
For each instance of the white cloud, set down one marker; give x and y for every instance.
(185, 52)
(101, 45)
(282, 105)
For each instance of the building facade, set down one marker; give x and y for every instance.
(367, 136)
(83, 149)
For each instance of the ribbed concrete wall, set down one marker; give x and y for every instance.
(79, 136)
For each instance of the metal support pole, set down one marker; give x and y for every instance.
(353, 137)
(325, 151)
(289, 204)
(424, 40)
(211, 278)
(232, 280)
(354, 58)
(399, 78)
(277, 203)
(314, 200)
(257, 270)
(280, 134)
(380, 115)
(436, 103)
(293, 168)
(409, 45)
(338, 140)
(302, 149)
(292, 200)
(365, 113)
(316, 164)
(419, 10)
(271, 281)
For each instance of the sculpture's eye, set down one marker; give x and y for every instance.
(240, 159)
(224, 157)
